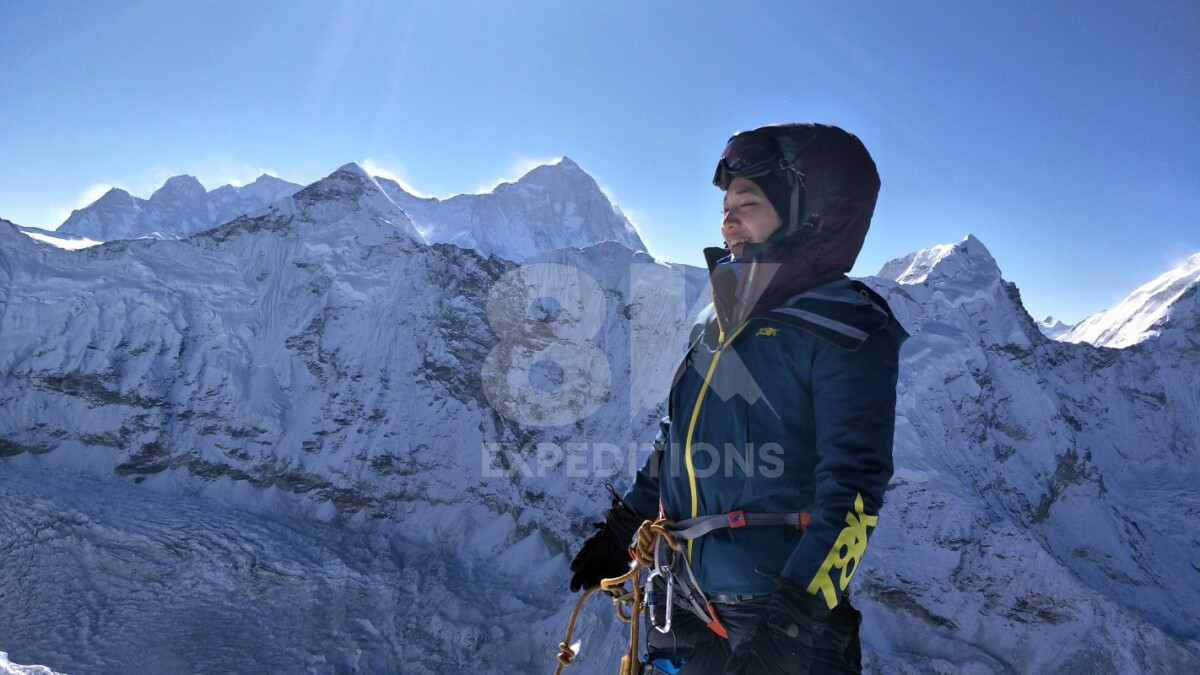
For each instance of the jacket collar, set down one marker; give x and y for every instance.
(770, 274)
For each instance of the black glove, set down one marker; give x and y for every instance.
(605, 554)
(782, 641)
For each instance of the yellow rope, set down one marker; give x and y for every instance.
(643, 557)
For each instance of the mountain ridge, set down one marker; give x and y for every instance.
(178, 208)
(552, 206)
(1163, 305)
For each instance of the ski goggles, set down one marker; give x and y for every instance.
(755, 153)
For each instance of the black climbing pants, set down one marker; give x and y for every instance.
(836, 652)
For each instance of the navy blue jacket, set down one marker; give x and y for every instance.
(791, 409)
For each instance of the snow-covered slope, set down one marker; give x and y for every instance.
(554, 206)
(1167, 304)
(181, 207)
(310, 429)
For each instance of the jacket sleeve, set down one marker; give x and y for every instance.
(854, 407)
(642, 497)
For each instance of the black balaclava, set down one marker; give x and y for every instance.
(775, 186)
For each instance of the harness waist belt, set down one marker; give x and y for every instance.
(694, 528)
(736, 599)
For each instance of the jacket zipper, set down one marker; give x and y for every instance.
(687, 456)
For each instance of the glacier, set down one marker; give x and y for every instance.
(289, 443)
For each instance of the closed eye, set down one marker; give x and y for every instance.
(743, 205)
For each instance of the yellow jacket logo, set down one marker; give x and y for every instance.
(844, 556)
(768, 332)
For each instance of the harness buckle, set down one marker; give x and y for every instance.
(736, 519)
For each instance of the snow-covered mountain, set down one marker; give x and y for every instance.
(311, 430)
(321, 350)
(1053, 328)
(1041, 514)
(553, 206)
(181, 207)
(1167, 305)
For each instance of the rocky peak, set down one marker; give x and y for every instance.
(269, 188)
(563, 170)
(267, 179)
(965, 276)
(551, 207)
(968, 258)
(114, 197)
(346, 197)
(1052, 327)
(179, 188)
(348, 182)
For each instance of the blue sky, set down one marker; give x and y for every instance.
(1062, 134)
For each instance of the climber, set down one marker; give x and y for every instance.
(776, 451)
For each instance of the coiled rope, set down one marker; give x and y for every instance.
(624, 600)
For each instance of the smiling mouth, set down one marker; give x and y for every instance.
(735, 247)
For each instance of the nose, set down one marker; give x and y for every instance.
(729, 222)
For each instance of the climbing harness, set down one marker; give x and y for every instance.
(658, 548)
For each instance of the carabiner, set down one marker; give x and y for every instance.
(652, 599)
